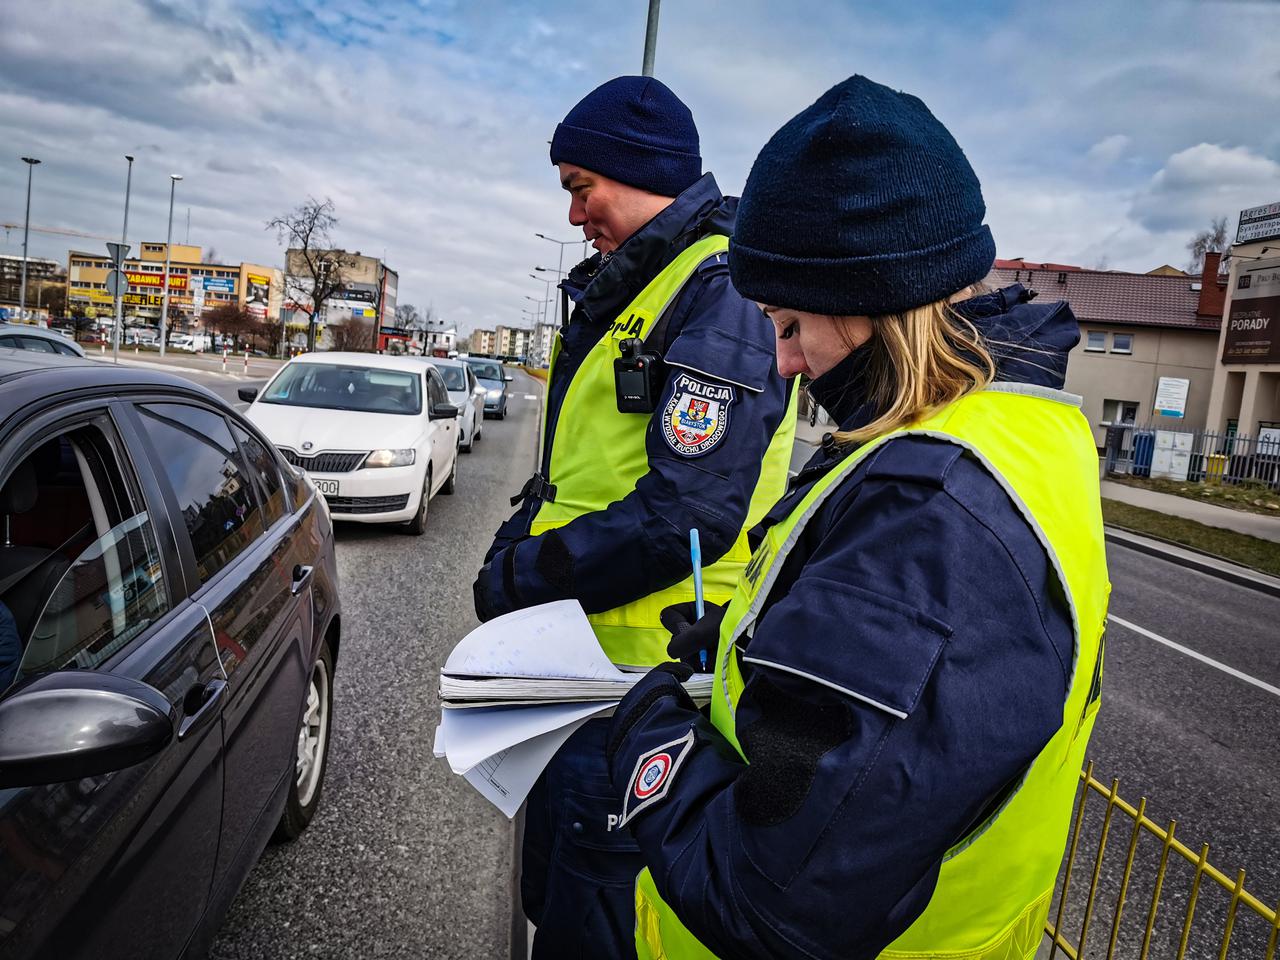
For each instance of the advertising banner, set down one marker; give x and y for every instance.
(1253, 323)
(142, 299)
(257, 288)
(156, 280)
(220, 284)
(1171, 397)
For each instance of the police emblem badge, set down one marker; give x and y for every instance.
(652, 778)
(697, 416)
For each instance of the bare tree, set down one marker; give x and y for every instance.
(350, 334)
(314, 270)
(407, 316)
(1213, 240)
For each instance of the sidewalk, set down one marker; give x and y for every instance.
(1253, 524)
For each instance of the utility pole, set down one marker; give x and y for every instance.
(124, 239)
(168, 242)
(651, 38)
(26, 230)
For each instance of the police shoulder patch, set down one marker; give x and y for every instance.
(696, 418)
(652, 777)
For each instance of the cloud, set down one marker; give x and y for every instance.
(1203, 182)
(1109, 149)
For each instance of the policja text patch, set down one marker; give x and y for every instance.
(697, 417)
(652, 778)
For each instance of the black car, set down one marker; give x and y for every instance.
(169, 623)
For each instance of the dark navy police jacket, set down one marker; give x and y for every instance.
(640, 543)
(828, 844)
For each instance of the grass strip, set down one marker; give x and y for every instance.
(1253, 552)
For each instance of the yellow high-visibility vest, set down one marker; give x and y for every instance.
(994, 888)
(601, 458)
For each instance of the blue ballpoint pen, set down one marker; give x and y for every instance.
(695, 556)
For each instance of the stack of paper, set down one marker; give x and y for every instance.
(528, 680)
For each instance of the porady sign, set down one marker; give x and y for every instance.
(1253, 321)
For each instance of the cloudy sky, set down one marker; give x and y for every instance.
(1104, 132)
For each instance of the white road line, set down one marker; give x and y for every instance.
(1260, 684)
(530, 396)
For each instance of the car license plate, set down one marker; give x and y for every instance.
(329, 487)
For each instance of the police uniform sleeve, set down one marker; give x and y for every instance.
(906, 678)
(721, 405)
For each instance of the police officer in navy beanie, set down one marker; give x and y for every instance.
(606, 518)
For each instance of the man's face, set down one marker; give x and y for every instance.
(607, 211)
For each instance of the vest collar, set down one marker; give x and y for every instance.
(603, 284)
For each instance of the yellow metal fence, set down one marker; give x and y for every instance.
(1149, 879)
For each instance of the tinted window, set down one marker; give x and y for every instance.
(66, 351)
(82, 576)
(267, 472)
(214, 496)
(453, 377)
(37, 344)
(11, 342)
(340, 387)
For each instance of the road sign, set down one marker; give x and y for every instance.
(117, 252)
(117, 283)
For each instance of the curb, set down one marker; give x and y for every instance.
(1195, 560)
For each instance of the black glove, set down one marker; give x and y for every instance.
(690, 636)
(664, 680)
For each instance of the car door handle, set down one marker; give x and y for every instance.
(212, 691)
(301, 576)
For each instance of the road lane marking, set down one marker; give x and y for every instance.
(530, 396)
(1260, 684)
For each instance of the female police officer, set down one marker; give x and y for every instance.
(908, 673)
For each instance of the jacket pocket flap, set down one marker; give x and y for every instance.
(722, 356)
(865, 645)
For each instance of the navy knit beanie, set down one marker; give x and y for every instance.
(861, 205)
(633, 130)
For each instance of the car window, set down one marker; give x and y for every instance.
(342, 387)
(81, 576)
(37, 344)
(10, 342)
(487, 371)
(65, 350)
(214, 495)
(453, 378)
(438, 392)
(265, 470)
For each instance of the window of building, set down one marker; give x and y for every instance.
(1120, 411)
(1122, 343)
(214, 495)
(1097, 341)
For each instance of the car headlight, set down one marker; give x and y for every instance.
(390, 458)
(494, 392)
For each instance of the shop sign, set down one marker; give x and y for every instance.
(142, 299)
(1253, 317)
(1259, 223)
(176, 282)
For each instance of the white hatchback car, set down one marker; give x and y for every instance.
(466, 394)
(377, 435)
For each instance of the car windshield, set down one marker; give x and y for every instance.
(487, 371)
(454, 378)
(341, 387)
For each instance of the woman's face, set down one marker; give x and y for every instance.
(813, 343)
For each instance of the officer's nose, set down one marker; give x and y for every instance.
(790, 356)
(577, 212)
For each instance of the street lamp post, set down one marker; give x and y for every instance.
(650, 38)
(560, 266)
(124, 239)
(168, 242)
(26, 232)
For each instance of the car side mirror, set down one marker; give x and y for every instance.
(248, 394)
(72, 724)
(507, 377)
(444, 411)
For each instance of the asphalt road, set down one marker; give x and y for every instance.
(404, 859)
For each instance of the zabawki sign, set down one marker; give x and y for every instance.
(1253, 321)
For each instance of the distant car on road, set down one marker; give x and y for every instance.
(494, 379)
(467, 395)
(167, 706)
(376, 434)
(24, 336)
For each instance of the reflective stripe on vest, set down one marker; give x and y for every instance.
(601, 460)
(993, 891)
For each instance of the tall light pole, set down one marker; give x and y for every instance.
(168, 242)
(560, 267)
(26, 231)
(124, 239)
(650, 38)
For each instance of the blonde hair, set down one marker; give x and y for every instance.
(920, 361)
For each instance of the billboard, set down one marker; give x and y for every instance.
(1253, 319)
(220, 284)
(1259, 223)
(257, 288)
